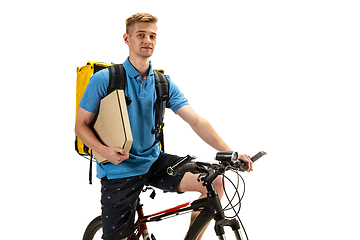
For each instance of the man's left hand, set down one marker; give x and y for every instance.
(246, 159)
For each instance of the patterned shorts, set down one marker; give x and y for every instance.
(119, 196)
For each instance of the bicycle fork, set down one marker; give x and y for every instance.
(233, 223)
(219, 216)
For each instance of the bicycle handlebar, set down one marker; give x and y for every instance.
(227, 158)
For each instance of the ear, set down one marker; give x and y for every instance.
(126, 38)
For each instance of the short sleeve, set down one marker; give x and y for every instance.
(176, 97)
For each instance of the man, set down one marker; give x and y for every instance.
(124, 177)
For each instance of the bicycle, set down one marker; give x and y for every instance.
(209, 207)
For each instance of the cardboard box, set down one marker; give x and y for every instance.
(112, 125)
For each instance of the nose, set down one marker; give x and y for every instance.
(148, 39)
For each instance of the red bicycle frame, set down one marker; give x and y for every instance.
(142, 220)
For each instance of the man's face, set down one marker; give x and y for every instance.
(142, 39)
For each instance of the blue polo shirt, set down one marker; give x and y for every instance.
(145, 149)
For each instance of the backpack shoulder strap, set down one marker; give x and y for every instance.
(162, 92)
(117, 79)
(162, 87)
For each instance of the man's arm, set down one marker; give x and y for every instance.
(207, 133)
(84, 119)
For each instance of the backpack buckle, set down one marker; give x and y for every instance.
(158, 129)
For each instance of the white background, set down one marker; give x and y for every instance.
(277, 76)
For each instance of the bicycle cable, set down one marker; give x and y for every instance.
(235, 194)
(236, 191)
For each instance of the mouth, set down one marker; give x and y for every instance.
(147, 48)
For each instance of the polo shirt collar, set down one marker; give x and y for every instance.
(131, 71)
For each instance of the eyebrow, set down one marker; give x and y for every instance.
(142, 31)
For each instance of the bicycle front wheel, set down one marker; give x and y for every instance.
(93, 230)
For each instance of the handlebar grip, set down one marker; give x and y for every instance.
(173, 170)
(257, 156)
(242, 166)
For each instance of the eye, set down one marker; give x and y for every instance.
(140, 35)
(153, 37)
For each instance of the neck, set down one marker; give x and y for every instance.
(141, 65)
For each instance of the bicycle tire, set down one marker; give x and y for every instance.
(92, 228)
(95, 225)
(198, 225)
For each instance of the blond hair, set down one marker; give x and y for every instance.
(139, 17)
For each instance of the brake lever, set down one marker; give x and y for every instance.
(240, 165)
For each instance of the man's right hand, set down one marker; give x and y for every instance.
(114, 155)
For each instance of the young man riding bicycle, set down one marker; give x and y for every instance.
(125, 175)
